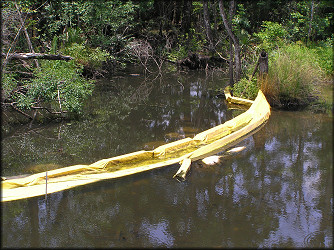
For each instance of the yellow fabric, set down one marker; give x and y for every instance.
(183, 151)
(236, 100)
(172, 147)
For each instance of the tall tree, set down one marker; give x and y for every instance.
(26, 33)
(206, 18)
(235, 40)
(310, 24)
(186, 20)
(230, 70)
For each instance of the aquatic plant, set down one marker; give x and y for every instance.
(295, 70)
(295, 74)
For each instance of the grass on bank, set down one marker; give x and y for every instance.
(296, 78)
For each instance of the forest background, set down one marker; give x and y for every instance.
(52, 51)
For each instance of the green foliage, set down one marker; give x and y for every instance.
(74, 35)
(191, 41)
(246, 89)
(82, 26)
(8, 84)
(92, 31)
(324, 55)
(99, 20)
(57, 76)
(296, 70)
(54, 45)
(241, 24)
(176, 54)
(299, 20)
(87, 56)
(10, 26)
(271, 35)
(295, 74)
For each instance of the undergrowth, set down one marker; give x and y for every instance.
(295, 74)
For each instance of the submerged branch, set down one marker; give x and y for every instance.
(51, 112)
(20, 111)
(35, 108)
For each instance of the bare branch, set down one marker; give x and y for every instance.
(27, 56)
(20, 111)
(61, 110)
(26, 34)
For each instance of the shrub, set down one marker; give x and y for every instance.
(295, 73)
(86, 56)
(271, 35)
(52, 77)
(246, 89)
(324, 55)
(8, 84)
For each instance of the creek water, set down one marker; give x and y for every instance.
(278, 192)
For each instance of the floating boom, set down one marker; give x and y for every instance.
(183, 151)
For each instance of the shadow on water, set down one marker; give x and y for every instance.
(278, 192)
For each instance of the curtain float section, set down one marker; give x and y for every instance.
(184, 152)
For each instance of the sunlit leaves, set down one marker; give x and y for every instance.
(87, 56)
(97, 19)
(8, 84)
(271, 35)
(57, 81)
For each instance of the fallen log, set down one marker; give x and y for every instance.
(27, 56)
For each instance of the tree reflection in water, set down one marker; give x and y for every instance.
(276, 193)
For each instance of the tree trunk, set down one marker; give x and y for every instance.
(235, 40)
(177, 13)
(230, 70)
(263, 71)
(262, 66)
(26, 34)
(230, 65)
(215, 24)
(263, 63)
(174, 13)
(310, 25)
(186, 19)
(206, 18)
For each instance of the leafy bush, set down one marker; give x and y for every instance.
(87, 56)
(324, 55)
(272, 34)
(8, 84)
(298, 21)
(192, 41)
(96, 19)
(246, 89)
(56, 76)
(177, 54)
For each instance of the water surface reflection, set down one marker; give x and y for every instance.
(276, 193)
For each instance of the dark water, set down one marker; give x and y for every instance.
(278, 192)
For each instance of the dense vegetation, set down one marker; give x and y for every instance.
(103, 36)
